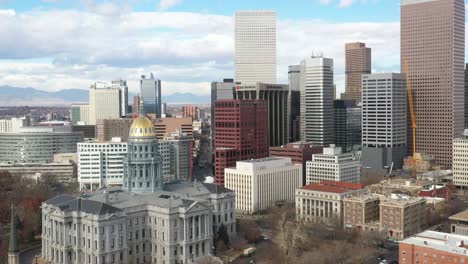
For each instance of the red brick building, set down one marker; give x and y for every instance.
(432, 247)
(436, 191)
(241, 133)
(299, 152)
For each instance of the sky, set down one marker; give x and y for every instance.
(62, 44)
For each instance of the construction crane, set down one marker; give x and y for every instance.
(413, 116)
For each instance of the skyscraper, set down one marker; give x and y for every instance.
(358, 62)
(104, 102)
(277, 96)
(317, 125)
(122, 86)
(255, 41)
(347, 124)
(294, 82)
(150, 90)
(240, 133)
(433, 48)
(383, 120)
(220, 91)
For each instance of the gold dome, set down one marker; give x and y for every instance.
(142, 127)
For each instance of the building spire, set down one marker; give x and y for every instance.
(13, 239)
(13, 247)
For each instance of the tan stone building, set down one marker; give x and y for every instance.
(459, 223)
(402, 216)
(323, 202)
(362, 212)
(358, 62)
(106, 129)
(166, 126)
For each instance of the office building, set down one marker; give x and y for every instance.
(136, 105)
(150, 93)
(64, 172)
(219, 91)
(13, 125)
(101, 164)
(190, 111)
(79, 114)
(383, 120)
(294, 83)
(104, 102)
(37, 144)
(323, 202)
(459, 223)
(460, 160)
(165, 127)
(433, 48)
(433, 247)
(357, 62)
(402, 216)
(277, 97)
(333, 165)
(348, 125)
(362, 212)
(466, 96)
(240, 133)
(261, 183)
(122, 86)
(317, 115)
(180, 147)
(89, 131)
(299, 152)
(106, 129)
(255, 46)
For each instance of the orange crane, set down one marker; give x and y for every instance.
(413, 116)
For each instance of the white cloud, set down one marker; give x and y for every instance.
(166, 4)
(7, 12)
(346, 3)
(61, 49)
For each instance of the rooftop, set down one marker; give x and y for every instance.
(364, 198)
(262, 160)
(451, 243)
(462, 216)
(333, 187)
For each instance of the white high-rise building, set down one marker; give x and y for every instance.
(260, 183)
(383, 120)
(317, 96)
(333, 165)
(104, 102)
(255, 41)
(101, 163)
(13, 125)
(460, 161)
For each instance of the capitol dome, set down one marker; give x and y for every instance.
(142, 127)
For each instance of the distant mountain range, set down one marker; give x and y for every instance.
(16, 96)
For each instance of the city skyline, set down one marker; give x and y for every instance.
(185, 45)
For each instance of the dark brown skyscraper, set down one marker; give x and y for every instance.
(433, 46)
(358, 62)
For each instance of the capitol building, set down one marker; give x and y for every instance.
(145, 221)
